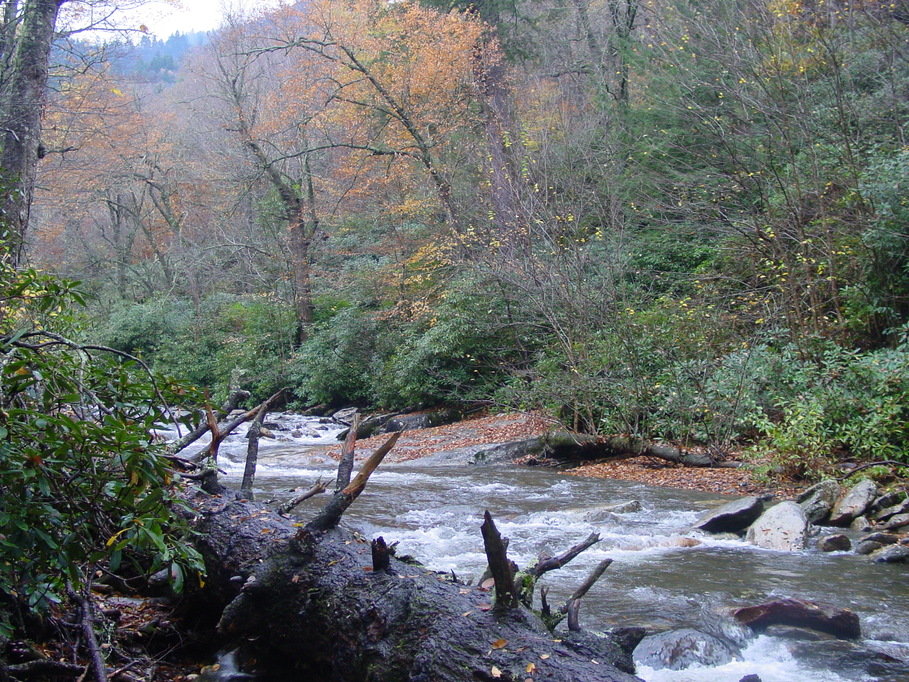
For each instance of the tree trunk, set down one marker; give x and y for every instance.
(315, 609)
(24, 84)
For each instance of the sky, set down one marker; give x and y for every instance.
(164, 19)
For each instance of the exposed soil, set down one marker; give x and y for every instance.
(501, 428)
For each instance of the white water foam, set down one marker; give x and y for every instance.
(766, 657)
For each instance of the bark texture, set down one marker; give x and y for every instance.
(312, 607)
(26, 44)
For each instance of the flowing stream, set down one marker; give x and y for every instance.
(434, 511)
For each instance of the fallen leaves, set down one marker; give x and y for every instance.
(499, 644)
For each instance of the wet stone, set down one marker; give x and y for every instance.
(893, 510)
(680, 649)
(834, 543)
(896, 522)
(861, 524)
(731, 517)
(868, 546)
(783, 527)
(891, 554)
(818, 500)
(854, 503)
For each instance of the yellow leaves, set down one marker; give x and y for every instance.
(499, 644)
(113, 538)
(495, 672)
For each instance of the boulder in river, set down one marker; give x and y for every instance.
(783, 527)
(680, 649)
(892, 510)
(731, 517)
(861, 524)
(891, 554)
(896, 522)
(852, 660)
(854, 503)
(834, 543)
(818, 500)
(888, 500)
(841, 623)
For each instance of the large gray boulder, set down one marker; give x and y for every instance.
(679, 649)
(854, 503)
(783, 527)
(732, 517)
(818, 500)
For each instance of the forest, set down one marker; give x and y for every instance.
(683, 221)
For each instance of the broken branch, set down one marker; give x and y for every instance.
(546, 564)
(332, 512)
(317, 488)
(499, 566)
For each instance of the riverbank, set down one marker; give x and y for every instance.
(502, 428)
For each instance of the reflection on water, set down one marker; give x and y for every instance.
(657, 579)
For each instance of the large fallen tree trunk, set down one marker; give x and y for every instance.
(321, 602)
(637, 447)
(565, 445)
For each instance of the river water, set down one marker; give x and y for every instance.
(434, 512)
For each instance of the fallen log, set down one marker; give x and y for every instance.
(576, 447)
(323, 602)
(637, 447)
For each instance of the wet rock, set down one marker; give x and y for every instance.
(868, 547)
(888, 500)
(607, 512)
(818, 500)
(861, 524)
(895, 522)
(750, 678)
(783, 527)
(680, 649)
(345, 415)
(850, 660)
(408, 422)
(628, 637)
(854, 503)
(834, 543)
(893, 510)
(882, 538)
(797, 633)
(506, 452)
(891, 554)
(841, 623)
(731, 517)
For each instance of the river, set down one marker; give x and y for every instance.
(434, 512)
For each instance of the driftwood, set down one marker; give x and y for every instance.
(322, 602)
